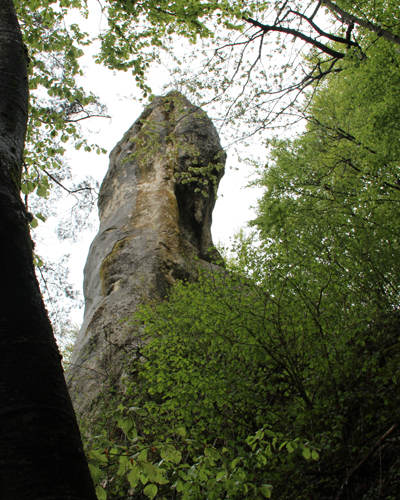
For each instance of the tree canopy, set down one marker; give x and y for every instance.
(238, 41)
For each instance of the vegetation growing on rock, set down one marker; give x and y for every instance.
(281, 378)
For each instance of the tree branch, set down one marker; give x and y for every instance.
(69, 191)
(363, 461)
(315, 11)
(349, 18)
(334, 38)
(266, 28)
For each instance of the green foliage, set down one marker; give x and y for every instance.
(135, 462)
(268, 397)
(139, 33)
(280, 377)
(57, 103)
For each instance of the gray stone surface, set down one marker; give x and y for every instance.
(155, 209)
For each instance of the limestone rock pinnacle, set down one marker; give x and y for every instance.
(155, 209)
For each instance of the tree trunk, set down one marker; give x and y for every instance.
(41, 450)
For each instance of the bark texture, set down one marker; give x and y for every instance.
(41, 450)
(155, 209)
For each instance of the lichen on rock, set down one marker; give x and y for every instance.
(155, 209)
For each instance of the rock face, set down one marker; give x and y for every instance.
(155, 209)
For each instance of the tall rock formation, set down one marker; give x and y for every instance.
(155, 209)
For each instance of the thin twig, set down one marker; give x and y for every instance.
(363, 461)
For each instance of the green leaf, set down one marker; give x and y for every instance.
(150, 490)
(117, 415)
(220, 475)
(126, 424)
(176, 457)
(123, 463)
(150, 470)
(96, 455)
(139, 411)
(289, 447)
(212, 453)
(42, 191)
(132, 434)
(133, 476)
(33, 223)
(41, 217)
(161, 479)
(95, 473)
(101, 493)
(307, 453)
(265, 489)
(315, 455)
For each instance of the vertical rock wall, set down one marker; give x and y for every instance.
(155, 209)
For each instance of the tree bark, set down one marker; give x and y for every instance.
(41, 450)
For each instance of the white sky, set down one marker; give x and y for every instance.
(232, 209)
